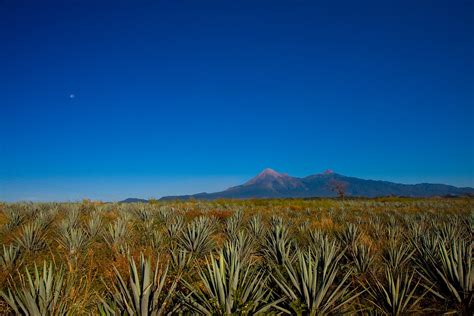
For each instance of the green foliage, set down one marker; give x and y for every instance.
(396, 255)
(278, 246)
(233, 224)
(145, 293)
(395, 295)
(73, 240)
(449, 273)
(174, 226)
(9, 257)
(32, 237)
(243, 245)
(143, 214)
(197, 236)
(230, 287)
(362, 258)
(303, 257)
(15, 218)
(180, 259)
(40, 293)
(94, 224)
(116, 234)
(349, 236)
(310, 284)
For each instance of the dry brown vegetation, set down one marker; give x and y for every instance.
(304, 257)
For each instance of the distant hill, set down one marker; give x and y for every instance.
(134, 200)
(272, 184)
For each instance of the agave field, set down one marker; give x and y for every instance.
(300, 257)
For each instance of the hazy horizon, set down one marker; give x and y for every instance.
(121, 188)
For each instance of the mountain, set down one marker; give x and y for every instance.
(134, 200)
(272, 184)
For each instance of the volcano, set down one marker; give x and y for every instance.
(272, 184)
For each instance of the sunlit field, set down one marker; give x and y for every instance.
(301, 257)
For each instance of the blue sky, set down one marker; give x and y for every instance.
(174, 97)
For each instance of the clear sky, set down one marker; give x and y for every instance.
(113, 99)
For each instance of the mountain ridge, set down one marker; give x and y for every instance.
(272, 184)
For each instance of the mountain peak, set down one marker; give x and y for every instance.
(266, 175)
(272, 184)
(269, 172)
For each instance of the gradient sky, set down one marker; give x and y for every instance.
(112, 99)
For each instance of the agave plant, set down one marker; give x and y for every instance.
(145, 293)
(148, 227)
(316, 238)
(40, 293)
(303, 227)
(180, 259)
(125, 213)
(72, 219)
(94, 224)
(276, 221)
(311, 284)
(31, 237)
(9, 257)
(426, 244)
(233, 224)
(278, 246)
(44, 218)
(174, 227)
(28, 209)
(466, 227)
(349, 235)
(73, 240)
(143, 214)
(197, 237)
(155, 239)
(377, 228)
(244, 245)
(229, 287)
(450, 274)
(15, 218)
(449, 232)
(362, 258)
(164, 215)
(393, 233)
(392, 220)
(396, 295)
(416, 230)
(256, 227)
(397, 255)
(116, 234)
